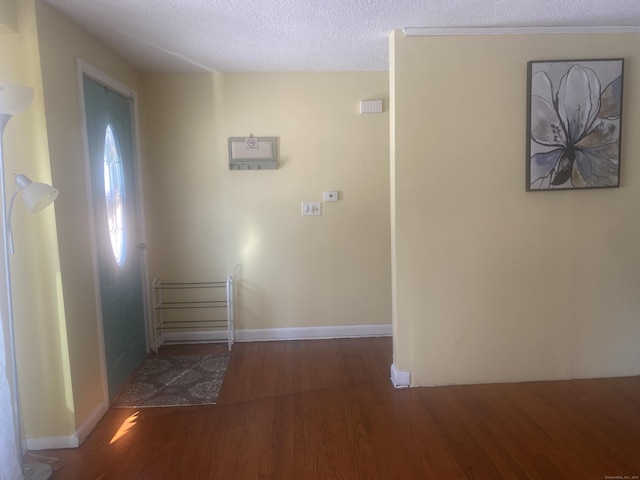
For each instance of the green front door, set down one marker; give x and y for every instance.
(110, 141)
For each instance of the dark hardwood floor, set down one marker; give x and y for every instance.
(325, 409)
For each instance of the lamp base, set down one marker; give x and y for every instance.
(37, 471)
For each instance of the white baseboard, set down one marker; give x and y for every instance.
(310, 333)
(90, 423)
(194, 337)
(400, 378)
(46, 443)
(273, 334)
(70, 441)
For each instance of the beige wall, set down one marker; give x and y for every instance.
(57, 332)
(206, 222)
(60, 43)
(492, 283)
(55, 306)
(292, 271)
(39, 319)
(8, 17)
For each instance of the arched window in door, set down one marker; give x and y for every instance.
(114, 193)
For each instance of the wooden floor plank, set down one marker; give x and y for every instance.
(325, 409)
(520, 435)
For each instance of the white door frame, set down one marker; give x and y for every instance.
(85, 69)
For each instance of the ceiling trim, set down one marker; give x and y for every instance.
(429, 31)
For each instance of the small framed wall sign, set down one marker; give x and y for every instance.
(574, 114)
(253, 153)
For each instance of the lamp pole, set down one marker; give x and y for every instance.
(4, 119)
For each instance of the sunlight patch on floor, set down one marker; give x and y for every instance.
(127, 425)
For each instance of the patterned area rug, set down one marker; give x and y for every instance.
(175, 380)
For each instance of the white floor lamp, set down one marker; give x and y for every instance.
(14, 99)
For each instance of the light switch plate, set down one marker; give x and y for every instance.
(330, 196)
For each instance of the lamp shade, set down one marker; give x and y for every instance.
(36, 195)
(14, 98)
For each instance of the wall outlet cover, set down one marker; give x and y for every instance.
(311, 208)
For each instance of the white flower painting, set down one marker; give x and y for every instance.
(574, 115)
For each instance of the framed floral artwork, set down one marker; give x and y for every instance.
(574, 112)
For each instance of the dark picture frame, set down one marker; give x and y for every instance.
(574, 119)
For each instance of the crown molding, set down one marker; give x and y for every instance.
(429, 31)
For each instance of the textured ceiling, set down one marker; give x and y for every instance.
(306, 35)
